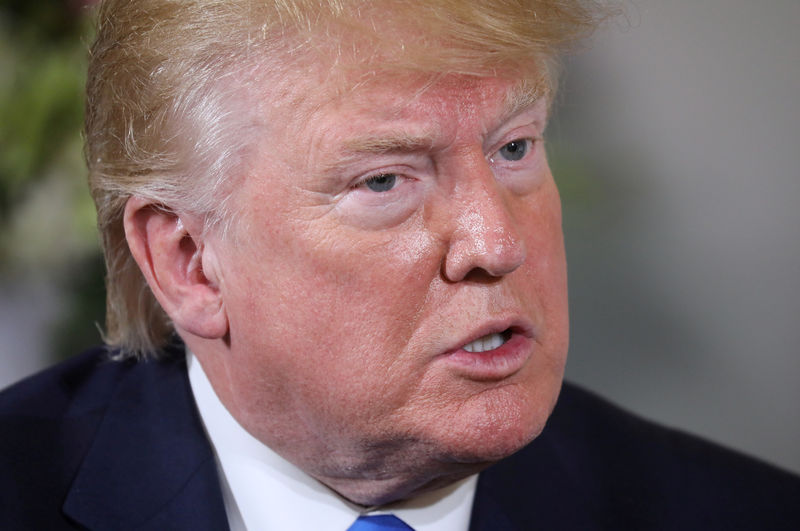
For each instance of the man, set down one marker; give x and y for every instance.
(334, 244)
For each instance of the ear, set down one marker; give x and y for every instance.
(181, 271)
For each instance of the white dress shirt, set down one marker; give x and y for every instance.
(262, 491)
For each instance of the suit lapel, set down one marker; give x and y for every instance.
(540, 487)
(487, 513)
(528, 491)
(150, 465)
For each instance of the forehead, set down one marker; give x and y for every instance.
(455, 92)
(383, 69)
(320, 139)
(385, 100)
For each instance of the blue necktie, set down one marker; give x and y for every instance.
(379, 522)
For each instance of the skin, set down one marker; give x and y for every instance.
(330, 320)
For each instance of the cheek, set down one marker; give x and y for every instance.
(372, 284)
(332, 329)
(351, 299)
(545, 236)
(544, 275)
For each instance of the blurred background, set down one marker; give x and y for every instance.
(676, 144)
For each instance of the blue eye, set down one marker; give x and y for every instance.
(514, 150)
(381, 183)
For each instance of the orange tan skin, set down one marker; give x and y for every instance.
(380, 232)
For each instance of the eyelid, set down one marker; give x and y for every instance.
(369, 176)
(368, 208)
(406, 170)
(522, 127)
(529, 122)
(364, 184)
(360, 184)
(533, 140)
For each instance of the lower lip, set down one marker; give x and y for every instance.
(492, 365)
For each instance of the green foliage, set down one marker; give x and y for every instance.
(41, 113)
(42, 56)
(47, 221)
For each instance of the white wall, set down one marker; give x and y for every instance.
(685, 279)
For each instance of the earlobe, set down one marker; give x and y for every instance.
(179, 268)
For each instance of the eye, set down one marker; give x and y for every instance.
(515, 150)
(382, 199)
(381, 183)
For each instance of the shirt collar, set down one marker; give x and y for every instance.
(264, 491)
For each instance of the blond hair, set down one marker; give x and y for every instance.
(166, 113)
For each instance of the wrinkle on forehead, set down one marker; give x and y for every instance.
(475, 99)
(521, 92)
(319, 78)
(401, 114)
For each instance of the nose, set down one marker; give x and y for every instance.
(485, 239)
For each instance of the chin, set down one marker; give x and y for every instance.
(495, 429)
(487, 448)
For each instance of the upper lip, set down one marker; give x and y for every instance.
(517, 325)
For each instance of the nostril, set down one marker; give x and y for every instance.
(480, 275)
(485, 241)
(472, 259)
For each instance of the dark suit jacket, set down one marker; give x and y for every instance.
(108, 445)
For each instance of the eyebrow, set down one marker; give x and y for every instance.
(392, 143)
(519, 98)
(388, 144)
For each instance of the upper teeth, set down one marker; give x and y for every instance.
(487, 342)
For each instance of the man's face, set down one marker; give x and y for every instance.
(395, 285)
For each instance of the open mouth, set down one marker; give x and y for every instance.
(488, 342)
(496, 355)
